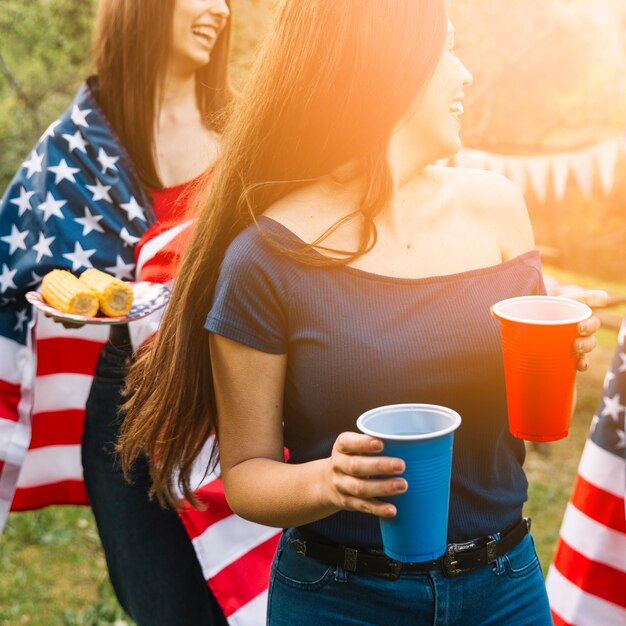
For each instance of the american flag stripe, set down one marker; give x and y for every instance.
(600, 505)
(50, 465)
(571, 606)
(10, 395)
(250, 614)
(48, 433)
(58, 354)
(587, 580)
(242, 581)
(65, 492)
(591, 576)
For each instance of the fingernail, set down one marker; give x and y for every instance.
(582, 327)
(390, 511)
(376, 445)
(400, 485)
(397, 466)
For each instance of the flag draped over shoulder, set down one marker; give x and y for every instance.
(75, 203)
(235, 555)
(587, 579)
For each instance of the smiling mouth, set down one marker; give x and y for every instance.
(457, 108)
(208, 33)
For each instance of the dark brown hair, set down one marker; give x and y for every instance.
(131, 47)
(333, 79)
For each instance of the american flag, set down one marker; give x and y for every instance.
(587, 579)
(75, 203)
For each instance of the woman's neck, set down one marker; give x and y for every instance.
(179, 98)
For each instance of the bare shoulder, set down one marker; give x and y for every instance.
(496, 201)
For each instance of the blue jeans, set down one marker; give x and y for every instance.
(152, 564)
(307, 592)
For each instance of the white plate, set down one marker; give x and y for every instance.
(147, 298)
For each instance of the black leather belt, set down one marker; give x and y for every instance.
(457, 559)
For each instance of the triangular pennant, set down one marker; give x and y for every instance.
(581, 164)
(606, 158)
(495, 163)
(515, 169)
(560, 172)
(538, 173)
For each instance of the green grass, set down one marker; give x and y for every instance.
(52, 571)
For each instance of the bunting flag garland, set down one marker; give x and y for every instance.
(536, 171)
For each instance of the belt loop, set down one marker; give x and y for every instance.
(492, 551)
(350, 559)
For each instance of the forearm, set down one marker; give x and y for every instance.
(277, 494)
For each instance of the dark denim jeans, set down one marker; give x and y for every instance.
(151, 562)
(307, 592)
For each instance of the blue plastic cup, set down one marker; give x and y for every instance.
(421, 435)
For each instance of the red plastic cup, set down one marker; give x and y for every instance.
(538, 334)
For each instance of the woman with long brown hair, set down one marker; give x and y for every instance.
(122, 158)
(162, 85)
(340, 271)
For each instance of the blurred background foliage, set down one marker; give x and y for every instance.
(550, 76)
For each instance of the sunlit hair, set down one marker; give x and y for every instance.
(131, 47)
(332, 80)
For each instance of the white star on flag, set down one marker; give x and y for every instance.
(621, 435)
(79, 257)
(127, 238)
(50, 130)
(121, 270)
(63, 172)
(51, 207)
(22, 318)
(79, 116)
(42, 248)
(90, 222)
(133, 209)
(36, 278)
(75, 142)
(6, 279)
(608, 379)
(33, 164)
(106, 161)
(23, 202)
(16, 239)
(100, 191)
(622, 367)
(613, 407)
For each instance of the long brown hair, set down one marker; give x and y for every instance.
(131, 47)
(333, 79)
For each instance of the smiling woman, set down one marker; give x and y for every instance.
(195, 31)
(123, 157)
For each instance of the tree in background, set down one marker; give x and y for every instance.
(45, 55)
(550, 75)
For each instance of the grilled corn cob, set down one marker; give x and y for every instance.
(65, 292)
(114, 295)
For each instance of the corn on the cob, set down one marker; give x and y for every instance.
(115, 296)
(65, 292)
